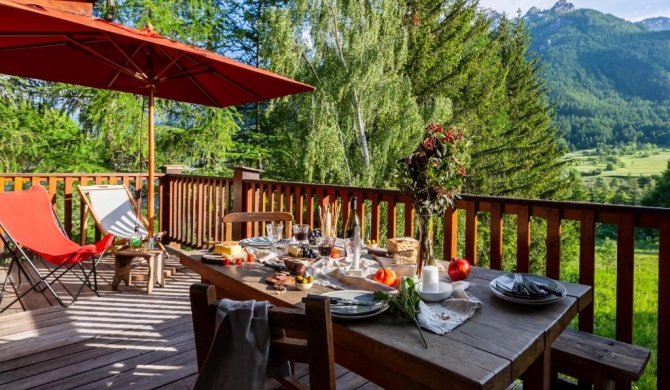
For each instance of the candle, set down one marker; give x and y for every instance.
(326, 233)
(429, 279)
(357, 246)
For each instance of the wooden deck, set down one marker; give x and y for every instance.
(118, 339)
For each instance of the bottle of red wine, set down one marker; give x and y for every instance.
(352, 219)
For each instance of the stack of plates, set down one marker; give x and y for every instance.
(263, 242)
(503, 287)
(355, 312)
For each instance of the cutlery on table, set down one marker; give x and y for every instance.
(548, 289)
(533, 289)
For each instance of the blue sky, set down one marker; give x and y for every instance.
(626, 9)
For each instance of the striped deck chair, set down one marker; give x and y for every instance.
(114, 211)
(31, 231)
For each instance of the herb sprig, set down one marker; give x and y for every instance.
(405, 304)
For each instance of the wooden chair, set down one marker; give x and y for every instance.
(316, 349)
(269, 216)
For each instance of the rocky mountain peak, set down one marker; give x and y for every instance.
(563, 6)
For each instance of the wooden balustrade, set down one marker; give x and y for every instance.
(191, 208)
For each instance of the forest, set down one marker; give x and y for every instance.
(607, 77)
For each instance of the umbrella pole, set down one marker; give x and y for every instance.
(150, 185)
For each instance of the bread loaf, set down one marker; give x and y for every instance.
(405, 257)
(402, 244)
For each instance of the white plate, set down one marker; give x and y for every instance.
(550, 298)
(355, 312)
(262, 242)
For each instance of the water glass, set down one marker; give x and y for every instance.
(300, 231)
(274, 233)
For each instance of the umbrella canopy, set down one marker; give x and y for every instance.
(52, 45)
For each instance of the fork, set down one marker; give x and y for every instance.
(518, 284)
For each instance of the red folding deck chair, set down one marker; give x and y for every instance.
(30, 227)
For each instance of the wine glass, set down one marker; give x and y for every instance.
(326, 247)
(300, 231)
(274, 233)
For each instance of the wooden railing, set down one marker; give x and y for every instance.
(191, 208)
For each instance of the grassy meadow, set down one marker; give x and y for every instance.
(645, 298)
(637, 164)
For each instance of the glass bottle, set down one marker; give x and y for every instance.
(135, 239)
(352, 220)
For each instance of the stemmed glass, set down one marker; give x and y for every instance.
(274, 234)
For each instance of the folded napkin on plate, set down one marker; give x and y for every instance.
(334, 273)
(442, 317)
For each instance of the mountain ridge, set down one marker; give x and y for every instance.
(608, 78)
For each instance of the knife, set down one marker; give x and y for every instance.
(548, 289)
(533, 289)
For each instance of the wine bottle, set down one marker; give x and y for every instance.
(352, 219)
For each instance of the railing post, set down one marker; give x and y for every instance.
(165, 201)
(240, 174)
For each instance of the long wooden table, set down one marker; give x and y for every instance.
(501, 342)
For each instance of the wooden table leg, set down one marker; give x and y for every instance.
(152, 273)
(122, 270)
(538, 375)
(160, 269)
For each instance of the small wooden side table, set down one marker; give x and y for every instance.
(122, 267)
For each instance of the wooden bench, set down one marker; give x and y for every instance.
(597, 360)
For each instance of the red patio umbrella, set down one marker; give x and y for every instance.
(52, 45)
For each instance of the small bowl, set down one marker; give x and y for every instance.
(303, 286)
(445, 292)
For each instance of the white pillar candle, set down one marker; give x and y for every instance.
(357, 246)
(429, 279)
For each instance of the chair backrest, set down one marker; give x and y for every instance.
(113, 210)
(267, 216)
(315, 322)
(29, 219)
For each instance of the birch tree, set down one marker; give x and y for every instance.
(362, 116)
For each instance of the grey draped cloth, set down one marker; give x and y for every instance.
(238, 356)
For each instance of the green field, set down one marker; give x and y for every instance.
(634, 165)
(645, 298)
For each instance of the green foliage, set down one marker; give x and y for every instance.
(362, 116)
(609, 79)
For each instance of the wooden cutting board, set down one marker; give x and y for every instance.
(289, 281)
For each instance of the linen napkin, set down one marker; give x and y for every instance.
(334, 273)
(261, 255)
(442, 317)
(247, 345)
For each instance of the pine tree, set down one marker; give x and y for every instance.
(527, 154)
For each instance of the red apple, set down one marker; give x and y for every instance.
(458, 269)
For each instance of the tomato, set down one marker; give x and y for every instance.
(386, 276)
(226, 262)
(238, 261)
(335, 253)
(458, 269)
(250, 258)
